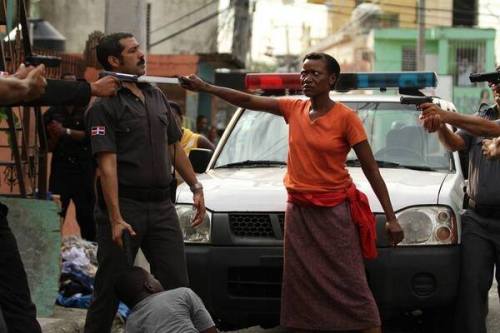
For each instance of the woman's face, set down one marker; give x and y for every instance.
(315, 78)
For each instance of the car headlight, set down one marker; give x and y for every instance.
(428, 225)
(198, 234)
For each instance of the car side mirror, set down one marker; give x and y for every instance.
(199, 158)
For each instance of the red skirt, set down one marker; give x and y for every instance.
(324, 279)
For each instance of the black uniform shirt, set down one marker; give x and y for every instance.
(68, 151)
(484, 174)
(139, 133)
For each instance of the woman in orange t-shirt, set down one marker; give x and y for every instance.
(329, 227)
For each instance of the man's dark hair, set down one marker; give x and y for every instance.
(200, 117)
(129, 285)
(332, 65)
(110, 46)
(176, 108)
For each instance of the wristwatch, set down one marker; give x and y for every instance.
(68, 131)
(196, 187)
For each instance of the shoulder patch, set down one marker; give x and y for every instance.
(98, 130)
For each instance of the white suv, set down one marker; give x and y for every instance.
(235, 258)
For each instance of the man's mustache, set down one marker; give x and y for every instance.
(141, 62)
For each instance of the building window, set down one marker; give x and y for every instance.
(409, 62)
(466, 57)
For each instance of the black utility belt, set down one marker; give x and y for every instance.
(144, 194)
(485, 210)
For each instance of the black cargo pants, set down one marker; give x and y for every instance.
(18, 310)
(160, 238)
(480, 253)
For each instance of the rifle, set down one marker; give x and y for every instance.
(415, 100)
(48, 61)
(29, 57)
(490, 77)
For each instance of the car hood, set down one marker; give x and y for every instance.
(262, 189)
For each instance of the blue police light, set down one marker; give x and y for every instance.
(404, 80)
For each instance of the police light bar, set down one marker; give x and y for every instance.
(346, 82)
(273, 81)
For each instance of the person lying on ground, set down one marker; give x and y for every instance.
(155, 310)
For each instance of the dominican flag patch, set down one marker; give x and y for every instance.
(98, 130)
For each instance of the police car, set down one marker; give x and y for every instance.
(235, 257)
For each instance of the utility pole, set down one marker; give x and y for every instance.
(242, 29)
(420, 53)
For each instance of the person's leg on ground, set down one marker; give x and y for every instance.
(15, 300)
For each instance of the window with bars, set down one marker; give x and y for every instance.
(409, 61)
(466, 57)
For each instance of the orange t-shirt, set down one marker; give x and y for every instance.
(317, 150)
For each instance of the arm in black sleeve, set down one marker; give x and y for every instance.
(61, 92)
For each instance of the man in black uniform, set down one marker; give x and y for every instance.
(28, 86)
(134, 137)
(481, 220)
(71, 174)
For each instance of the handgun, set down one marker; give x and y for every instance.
(127, 247)
(143, 78)
(48, 61)
(490, 77)
(415, 100)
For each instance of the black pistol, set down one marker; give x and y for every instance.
(415, 100)
(127, 247)
(48, 61)
(490, 77)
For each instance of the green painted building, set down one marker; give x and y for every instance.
(453, 53)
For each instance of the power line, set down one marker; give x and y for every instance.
(184, 16)
(191, 26)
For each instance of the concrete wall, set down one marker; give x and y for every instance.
(200, 39)
(75, 19)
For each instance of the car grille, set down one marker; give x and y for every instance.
(251, 225)
(255, 282)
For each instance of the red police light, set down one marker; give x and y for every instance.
(273, 81)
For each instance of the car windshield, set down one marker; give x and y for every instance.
(394, 133)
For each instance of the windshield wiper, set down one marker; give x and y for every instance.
(389, 164)
(250, 163)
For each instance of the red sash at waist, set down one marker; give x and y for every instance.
(361, 213)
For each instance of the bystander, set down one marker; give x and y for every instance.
(154, 310)
(71, 174)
